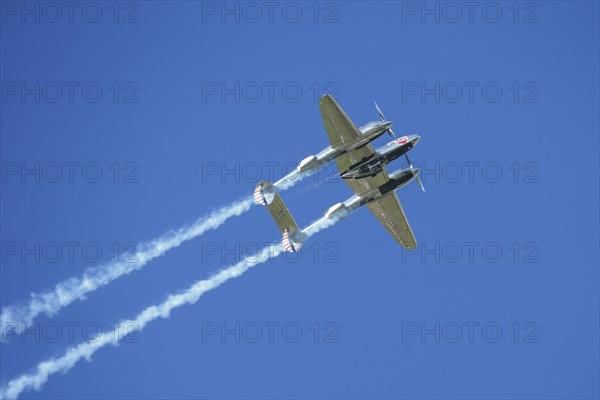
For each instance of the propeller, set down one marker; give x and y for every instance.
(417, 175)
(382, 117)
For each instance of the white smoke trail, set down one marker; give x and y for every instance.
(291, 179)
(85, 350)
(17, 317)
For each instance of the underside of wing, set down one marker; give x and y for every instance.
(340, 128)
(390, 213)
(342, 132)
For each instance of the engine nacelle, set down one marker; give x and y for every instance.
(264, 193)
(307, 163)
(402, 177)
(336, 210)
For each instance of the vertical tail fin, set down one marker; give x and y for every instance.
(267, 195)
(264, 193)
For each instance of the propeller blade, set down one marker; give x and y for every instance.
(420, 183)
(381, 116)
(410, 165)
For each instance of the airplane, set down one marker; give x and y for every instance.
(337, 122)
(363, 169)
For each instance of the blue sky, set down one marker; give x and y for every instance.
(196, 107)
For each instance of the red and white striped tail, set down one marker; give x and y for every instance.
(264, 193)
(289, 244)
(258, 196)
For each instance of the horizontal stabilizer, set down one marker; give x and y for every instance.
(266, 194)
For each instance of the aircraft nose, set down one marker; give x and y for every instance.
(414, 139)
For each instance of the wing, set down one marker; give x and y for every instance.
(339, 127)
(390, 213)
(342, 131)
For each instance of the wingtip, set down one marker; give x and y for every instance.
(326, 98)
